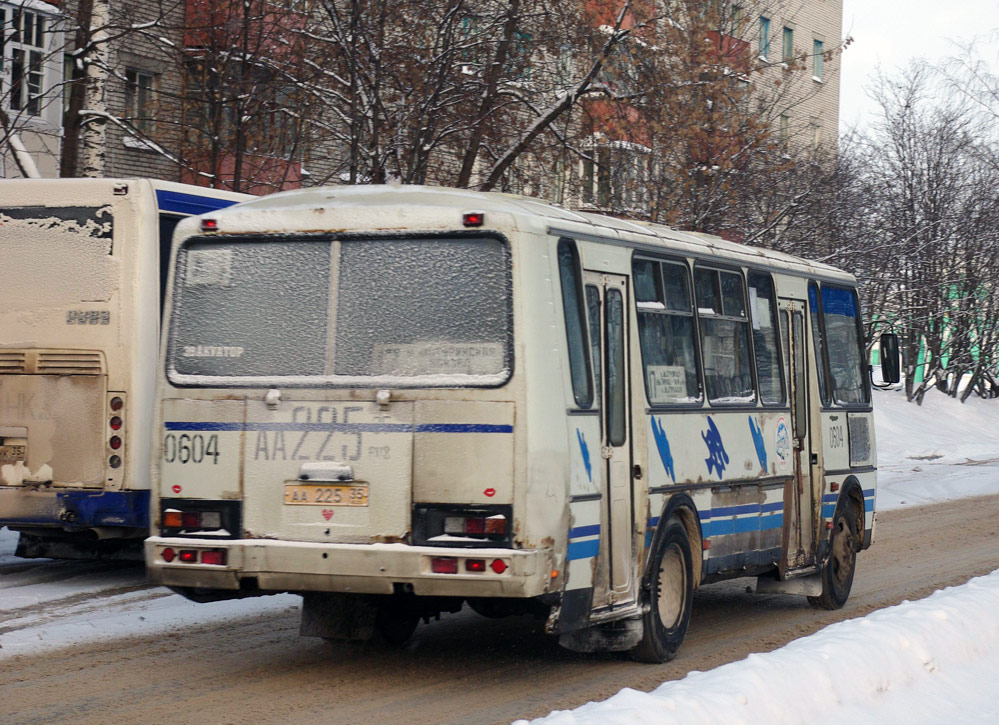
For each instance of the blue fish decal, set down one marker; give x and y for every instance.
(662, 443)
(584, 449)
(717, 457)
(761, 446)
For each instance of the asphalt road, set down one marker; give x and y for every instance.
(463, 669)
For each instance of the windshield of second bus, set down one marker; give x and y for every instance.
(409, 312)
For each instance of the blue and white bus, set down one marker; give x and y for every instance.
(395, 401)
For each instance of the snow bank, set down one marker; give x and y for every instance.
(939, 451)
(934, 660)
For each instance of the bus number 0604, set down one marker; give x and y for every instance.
(186, 448)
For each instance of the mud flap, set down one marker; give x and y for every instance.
(338, 616)
(617, 636)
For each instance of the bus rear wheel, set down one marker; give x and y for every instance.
(669, 593)
(837, 574)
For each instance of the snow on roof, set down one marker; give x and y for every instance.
(348, 200)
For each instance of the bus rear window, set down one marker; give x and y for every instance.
(356, 312)
(56, 257)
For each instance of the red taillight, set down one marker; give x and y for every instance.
(475, 526)
(168, 555)
(475, 564)
(498, 566)
(444, 565)
(191, 519)
(115, 423)
(117, 403)
(473, 218)
(209, 225)
(213, 557)
(188, 556)
(115, 443)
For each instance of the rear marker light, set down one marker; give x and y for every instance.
(444, 565)
(114, 461)
(475, 564)
(168, 555)
(115, 442)
(171, 519)
(188, 556)
(209, 225)
(498, 566)
(117, 403)
(473, 218)
(216, 558)
(115, 423)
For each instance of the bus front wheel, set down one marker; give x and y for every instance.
(669, 592)
(837, 574)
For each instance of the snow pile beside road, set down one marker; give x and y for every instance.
(938, 451)
(934, 660)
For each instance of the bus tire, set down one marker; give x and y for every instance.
(669, 591)
(837, 574)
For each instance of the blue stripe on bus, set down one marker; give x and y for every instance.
(345, 427)
(581, 531)
(583, 549)
(180, 203)
(89, 508)
(724, 527)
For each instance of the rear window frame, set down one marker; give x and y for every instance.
(186, 380)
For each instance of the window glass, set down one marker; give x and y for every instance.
(575, 330)
(616, 408)
(819, 341)
(728, 373)
(763, 319)
(593, 312)
(841, 316)
(666, 336)
(817, 59)
(646, 281)
(788, 53)
(708, 294)
(764, 37)
(425, 312)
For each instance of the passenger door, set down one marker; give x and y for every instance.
(799, 500)
(607, 305)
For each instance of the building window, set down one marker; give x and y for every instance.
(784, 129)
(764, 37)
(23, 50)
(817, 60)
(139, 99)
(788, 54)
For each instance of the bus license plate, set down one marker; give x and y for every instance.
(312, 495)
(13, 452)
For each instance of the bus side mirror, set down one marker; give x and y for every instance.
(890, 370)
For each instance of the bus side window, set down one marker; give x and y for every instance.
(593, 312)
(575, 322)
(167, 225)
(763, 313)
(820, 341)
(841, 315)
(721, 307)
(666, 332)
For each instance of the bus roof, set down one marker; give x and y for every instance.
(397, 205)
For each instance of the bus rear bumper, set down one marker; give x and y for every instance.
(73, 509)
(276, 566)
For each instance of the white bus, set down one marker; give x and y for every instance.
(397, 400)
(83, 263)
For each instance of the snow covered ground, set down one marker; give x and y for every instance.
(921, 661)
